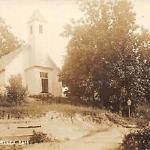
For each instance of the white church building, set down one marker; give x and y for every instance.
(32, 61)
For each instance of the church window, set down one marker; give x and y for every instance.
(31, 29)
(43, 74)
(40, 28)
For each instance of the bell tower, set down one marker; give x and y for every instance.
(38, 39)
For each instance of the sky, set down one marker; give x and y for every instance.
(58, 13)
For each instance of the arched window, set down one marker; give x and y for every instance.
(40, 28)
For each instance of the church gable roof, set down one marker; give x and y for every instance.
(6, 59)
(48, 64)
(53, 63)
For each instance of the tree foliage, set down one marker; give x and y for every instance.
(8, 42)
(16, 92)
(107, 58)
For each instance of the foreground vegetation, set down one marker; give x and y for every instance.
(11, 147)
(37, 108)
(139, 140)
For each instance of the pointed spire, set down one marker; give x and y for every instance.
(37, 16)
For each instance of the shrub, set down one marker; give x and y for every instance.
(141, 122)
(38, 137)
(43, 96)
(3, 95)
(16, 92)
(139, 140)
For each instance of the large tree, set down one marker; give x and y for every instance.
(8, 42)
(105, 58)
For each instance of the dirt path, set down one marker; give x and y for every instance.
(80, 132)
(107, 140)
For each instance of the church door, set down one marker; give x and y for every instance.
(44, 82)
(44, 85)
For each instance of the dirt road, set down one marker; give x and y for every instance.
(80, 132)
(107, 140)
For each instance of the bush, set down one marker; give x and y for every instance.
(3, 96)
(43, 96)
(38, 137)
(141, 122)
(16, 92)
(139, 140)
(49, 98)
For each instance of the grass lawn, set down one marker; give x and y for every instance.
(38, 109)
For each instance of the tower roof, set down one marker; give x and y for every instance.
(37, 16)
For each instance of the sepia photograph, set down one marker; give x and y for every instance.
(74, 74)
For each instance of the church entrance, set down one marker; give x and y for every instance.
(44, 85)
(44, 82)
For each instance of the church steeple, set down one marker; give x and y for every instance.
(37, 16)
(36, 23)
(37, 37)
